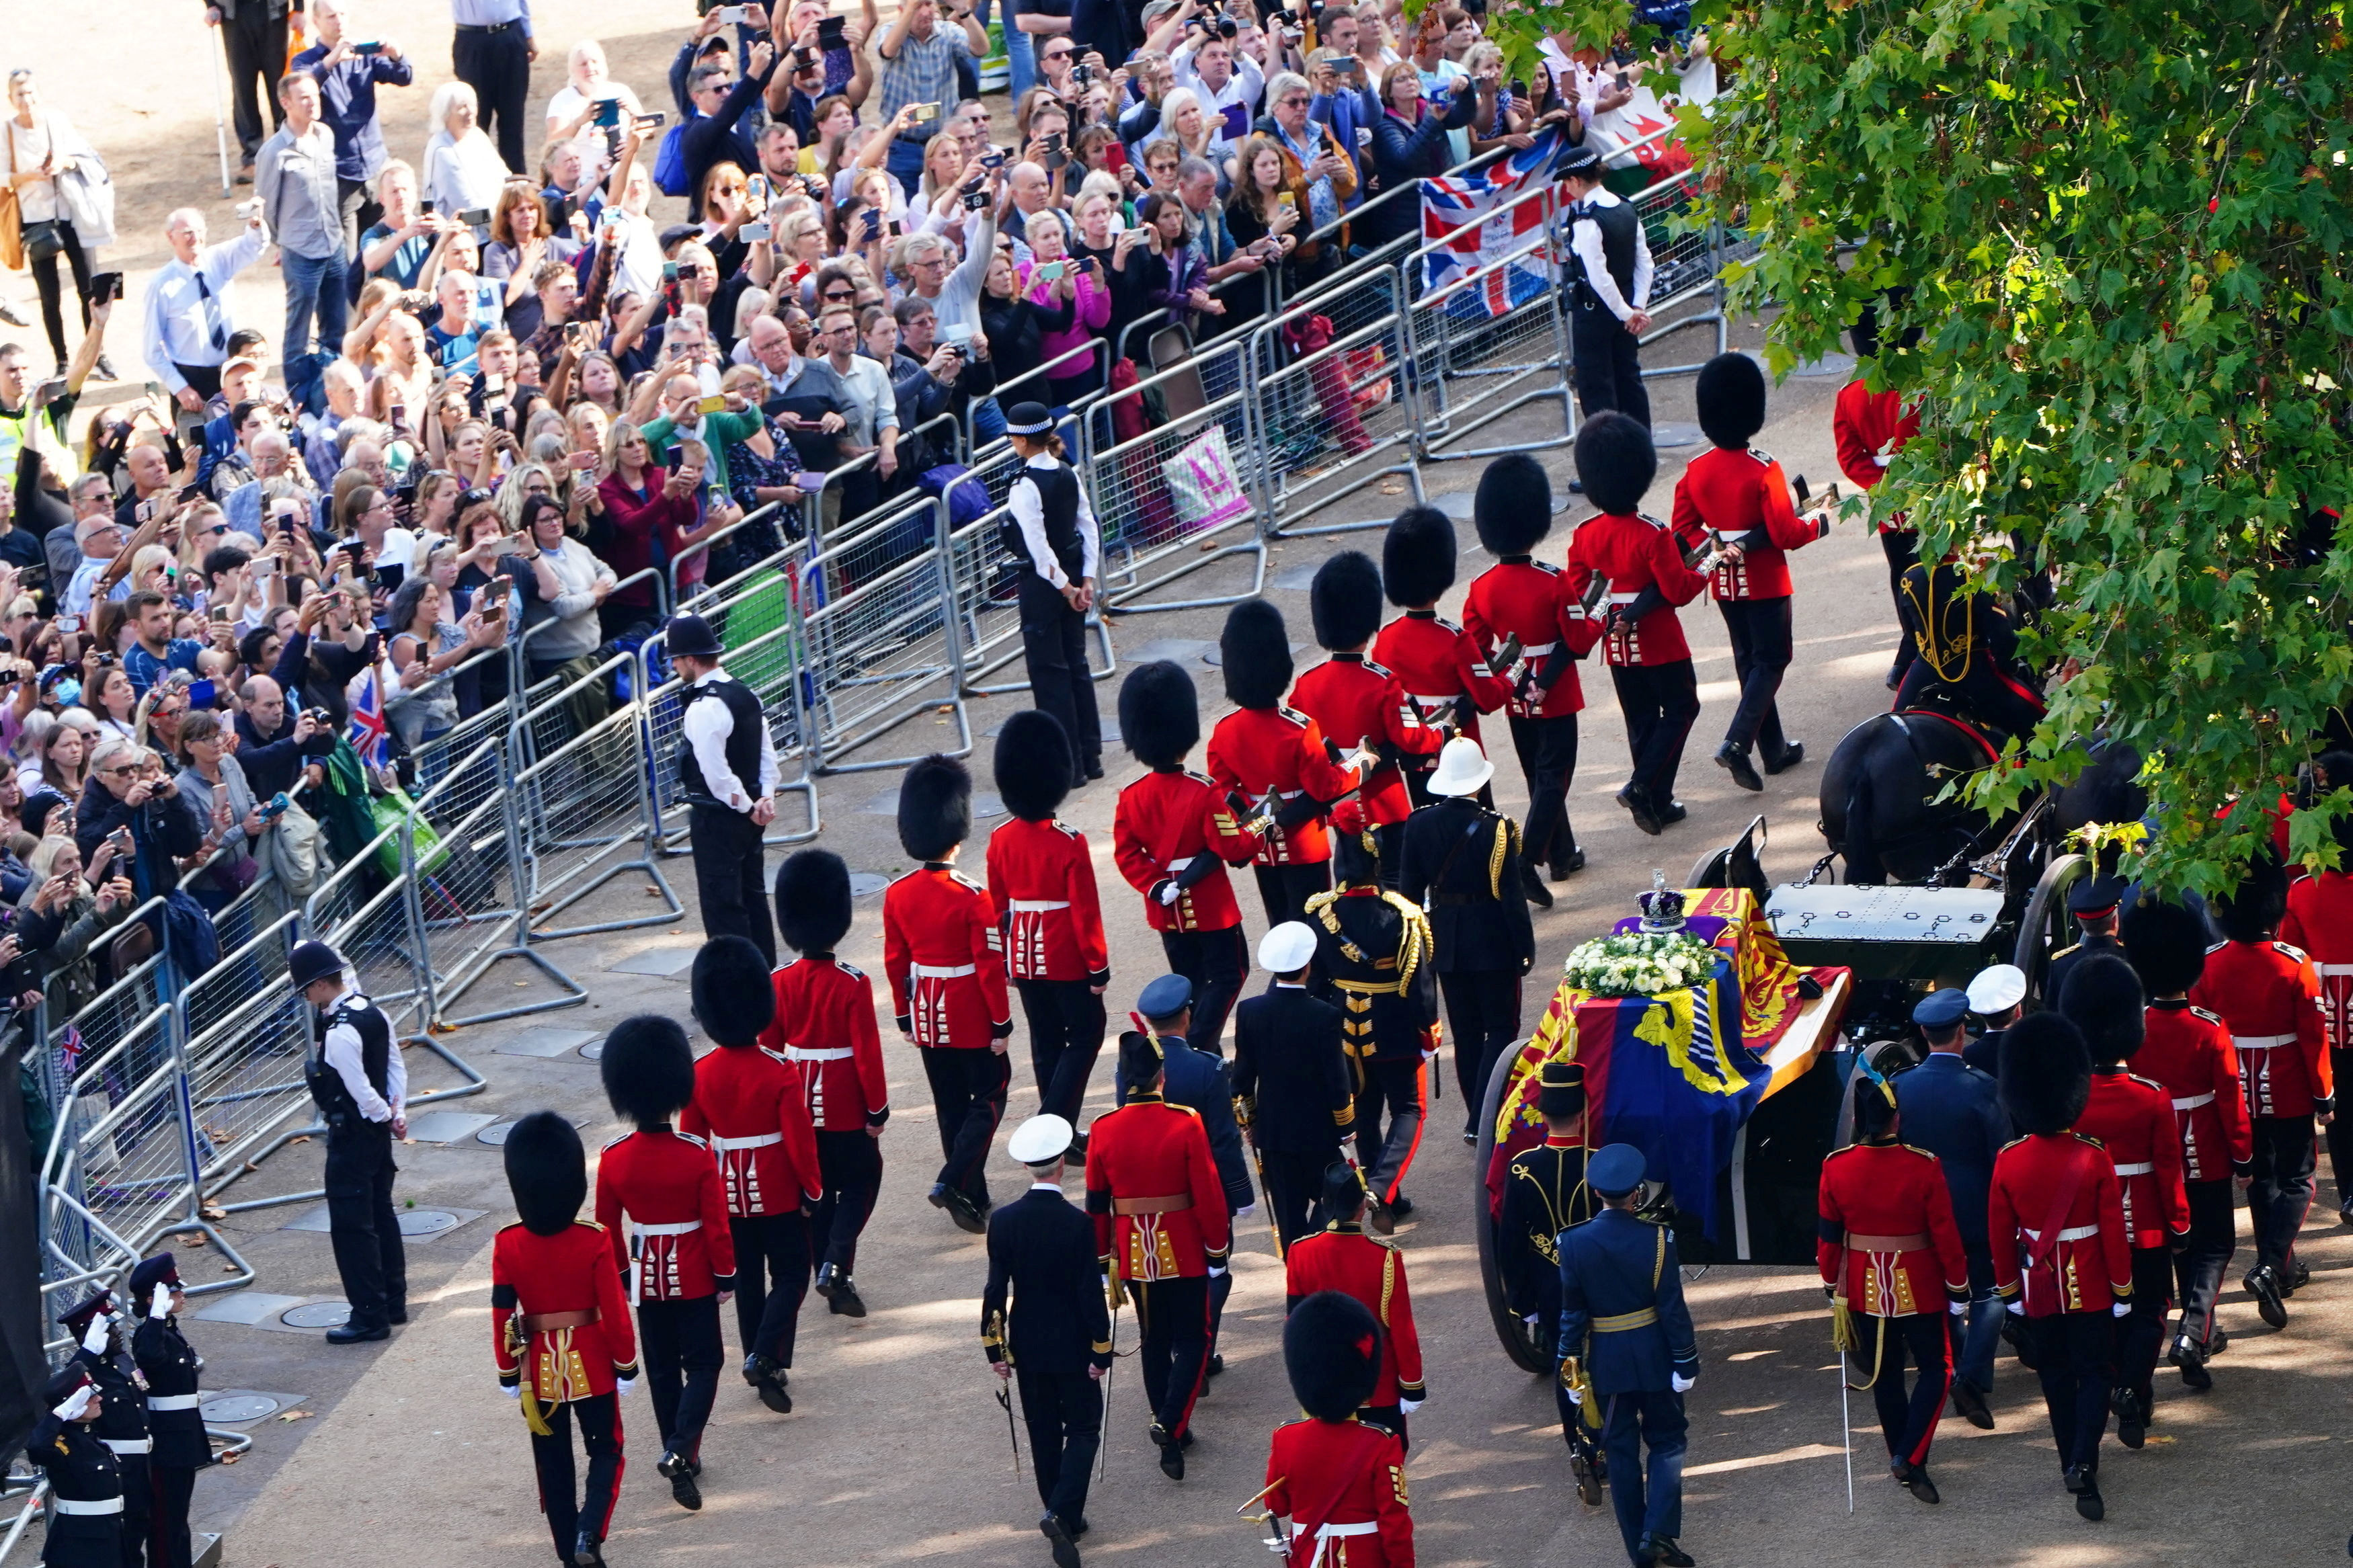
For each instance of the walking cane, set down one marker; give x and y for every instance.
(220, 124)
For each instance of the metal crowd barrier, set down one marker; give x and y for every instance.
(1326, 419)
(880, 643)
(770, 663)
(1495, 339)
(985, 579)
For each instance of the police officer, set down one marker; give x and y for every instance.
(85, 1524)
(2093, 902)
(361, 1086)
(1462, 867)
(1053, 1340)
(727, 771)
(1294, 1095)
(1051, 529)
(122, 1421)
(1626, 1340)
(170, 1367)
(1610, 301)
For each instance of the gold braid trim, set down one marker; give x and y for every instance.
(1415, 942)
(1507, 830)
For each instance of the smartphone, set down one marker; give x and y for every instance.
(926, 112)
(732, 15)
(190, 492)
(757, 189)
(220, 614)
(1052, 144)
(608, 113)
(830, 34)
(425, 207)
(1520, 90)
(583, 461)
(754, 232)
(50, 390)
(669, 271)
(872, 219)
(804, 58)
(649, 122)
(1049, 272)
(975, 200)
(68, 625)
(993, 159)
(1625, 82)
(400, 415)
(370, 47)
(475, 217)
(1286, 200)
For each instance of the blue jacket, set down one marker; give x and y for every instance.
(1197, 1079)
(347, 103)
(1954, 1112)
(1613, 1266)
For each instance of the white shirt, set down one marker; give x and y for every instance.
(1584, 238)
(29, 148)
(1028, 510)
(1242, 90)
(708, 725)
(341, 1050)
(180, 320)
(462, 175)
(876, 404)
(637, 270)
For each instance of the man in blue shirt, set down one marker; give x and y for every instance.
(155, 649)
(348, 79)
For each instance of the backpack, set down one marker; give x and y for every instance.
(669, 161)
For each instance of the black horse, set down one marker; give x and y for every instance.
(2106, 790)
(1879, 789)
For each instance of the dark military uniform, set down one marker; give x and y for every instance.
(1041, 1253)
(1375, 945)
(170, 1367)
(122, 1423)
(85, 1530)
(1297, 1098)
(1462, 866)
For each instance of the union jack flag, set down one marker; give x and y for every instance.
(370, 736)
(1486, 207)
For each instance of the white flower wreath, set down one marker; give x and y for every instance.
(1641, 963)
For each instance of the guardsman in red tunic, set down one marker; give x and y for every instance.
(2267, 994)
(2133, 1118)
(1359, 703)
(1339, 1479)
(1342, 1257)
(676, 1256)
(1174, 834)
(1161, 1231)
(1869, 428)
(2320, 922)
(2062, 1259)
(1637, 556)
(1266, 753)
(945, 953)
(751, 1107)
(1525, 601)
(1891, 1256)
(1734, 499)
(1440, 664)
(559, 1330)
(1042, 878)
(824, 1026)
(2187, 1050)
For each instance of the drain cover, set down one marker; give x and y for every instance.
(866, 884)
(594, 1050)
(317, 1315)
(1666, 432)
(426, 1221)
(231, 1409)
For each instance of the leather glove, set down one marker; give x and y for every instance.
(159, 1306)
(76, 1403)
(2015, 1308)
(511, 1390)
(1410, 1405)
(95, 1339)
(2120, 1309)
(625, 1386)
(1681, 1384)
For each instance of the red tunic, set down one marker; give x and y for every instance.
(1255, 750)
(535, 1276)
(1334, 1478)
(1866, 425)
(1358, 702)
(669, 1186)
(1162, 821)
(1887, 1220)
(1725, 495)
(1530, 600)
(945, 958)
(2133, 1118)
(2320, 922)
(1438, 661)
(2187, 1051)
(824, 1028)
(1345, 1259)
(1153, 1158)
(2086, 1266)
(2268, 995)
(1633, 553)
(1042, 878)
(749, 1105)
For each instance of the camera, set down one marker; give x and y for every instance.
(975, 200)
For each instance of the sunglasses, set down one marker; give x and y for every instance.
(831, 294)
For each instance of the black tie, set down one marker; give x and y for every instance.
(213, 321)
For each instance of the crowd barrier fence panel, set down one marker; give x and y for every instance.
(881, 644)
(1333, 420)
(579, 812)
(1493, 341)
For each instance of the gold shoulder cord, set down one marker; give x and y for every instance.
(1414, 940)
(1931, 640)
(1389, 1281)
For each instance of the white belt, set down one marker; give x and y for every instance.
(1036, 906)
(1624, 598)
(130, 1445)
(2194, 1101)
(174, 1401)
(83, 1505)
(1537, 649)
(761, 1141)
(1419, 697)
(827, 1054)
(1176, 865)
(936, 972)
(2143, 1168)
(2261, 1042)
(2072, 1233)
(1289, 794)
(680, 1229)
(1327, 1533)
(2334, 968)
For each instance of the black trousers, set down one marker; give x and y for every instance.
(1659, 703)
(91, 1540)
(1547, 752)
(1173, 1355)
(1908, 1419)
(772, 1278)
(363, 1224)
(1294, 1191)
(1760, 629)
(599, 1419)
(1390, 1105)
(1285, 890)
(2198, 1269)
(497, 65)
(2141, 1337)
(2340, 1131)
(255, 43)
(680, 1345)
(1064, 1414)
(2075, 1357)
(2281, 1193)
(48, 285)
(731, 876)
(1066, 1033)
(1608, 363)
(1054, 647)
(1482, 1007)
(1902, 548)
(1215, 962)
(138, 1506)
(968, 1089)
(852, 1166)
(169, 1490)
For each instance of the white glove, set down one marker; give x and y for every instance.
(1246, 1211)
(1529, 1318)
(625, 1386)
(2016, 1309)
(1681, 1384)
(1170, 893)
(76, 1403)
(1410, 1405)
(100, 1331)
(511, 1390)
(1216, 1271)
(1958, 1309)
(1576, 1395)
(160, 1305)
(2120, 1309)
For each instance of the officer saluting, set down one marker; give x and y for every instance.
(1626, 1340)
(1294, 1095)
(1264, 749)
(170, 1367)
(1609, 303)
(1051, 530)
(1342, 1257)
(727, 771)
(1338, 1478)
(121, 1423)
(85, 1522)
(361, 1086)
(1054, 1340)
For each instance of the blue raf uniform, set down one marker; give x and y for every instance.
(1621, 1305)
(1954, 1112)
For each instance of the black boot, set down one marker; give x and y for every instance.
(768, 1379)
(1058, 1539)
(586, 1553)
(681, 1471)
(1733, 758)
(1646, 816)
(1971, 1406)
(2189, 1358)
(2271, 1298)
(2132, 1418)
(846, 1299)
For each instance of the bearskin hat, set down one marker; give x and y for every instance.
(1513, 510)
(2164, 942)
(1332, 1349)
(1159, 715)
(2252, 910)
(1256, 649)
(1417, 557)
(1346, 600)
(1344, 1189)
(1615, 462)
(733, 996)
(1731, 397)
(547, 1171)
(1033, 766)
(813, 900)
(647, 1067)
(934, 807)
(2104, 1000)
(2046, 1073)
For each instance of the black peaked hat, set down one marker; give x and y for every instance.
(934, 807)
(1345, 600)
(1033, 764)
(1140, 1060)
(2252, 910)
(1731, 397)
(1159, 715)
(1513, 510)
(2166, 944)
(78, 1316)
(1332, 1349)
(812, 900)
(547, 1171)
(648, 1068)
(2046, 1073)
(1560, 1088)
(1256, 648)
(161, 1267)
(1615, 462)
(1344, 1189)
(2104, 1000)
(734, 998)
(1417, 557)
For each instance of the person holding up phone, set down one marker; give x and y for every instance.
(920, 62)
(349, 71)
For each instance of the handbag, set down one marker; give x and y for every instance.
(1202, 483)
(43, 239)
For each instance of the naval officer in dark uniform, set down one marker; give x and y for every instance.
(356, 1076)
(1609, 302)
(727, 771)
(1049, 528)
(1294, 1094)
